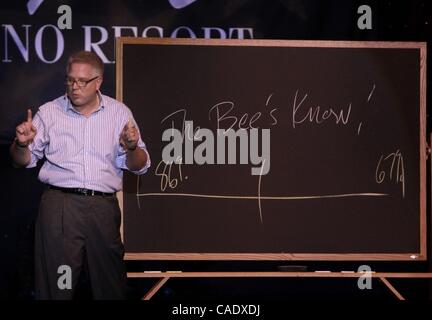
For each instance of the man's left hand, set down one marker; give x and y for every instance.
(129, 136)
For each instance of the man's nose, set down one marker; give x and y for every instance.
(75, 85)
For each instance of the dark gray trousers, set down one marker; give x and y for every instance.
(72, 230)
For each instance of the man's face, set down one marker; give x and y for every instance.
(82, 95)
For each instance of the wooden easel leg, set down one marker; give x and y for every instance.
(155, 288)
(392, 289)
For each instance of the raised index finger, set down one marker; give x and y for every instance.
(130, 124)
(29, 115)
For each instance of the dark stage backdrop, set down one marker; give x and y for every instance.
(33, 52)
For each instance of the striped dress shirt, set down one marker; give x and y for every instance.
(80, 151)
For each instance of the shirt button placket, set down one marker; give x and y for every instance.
(86, 152)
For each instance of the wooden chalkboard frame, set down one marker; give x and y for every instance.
(414, 256)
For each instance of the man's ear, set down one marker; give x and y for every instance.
(99, 82)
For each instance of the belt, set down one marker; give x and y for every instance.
(81, 191)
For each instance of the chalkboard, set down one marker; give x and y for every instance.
(276, 150)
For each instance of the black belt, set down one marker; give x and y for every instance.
(81, 191)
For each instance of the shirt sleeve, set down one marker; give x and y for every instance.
(39, 142)
(121, 156)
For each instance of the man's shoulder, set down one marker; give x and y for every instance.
(111, 101)
(52, 105)
(114, 104)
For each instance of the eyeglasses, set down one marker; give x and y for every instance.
(80, 82)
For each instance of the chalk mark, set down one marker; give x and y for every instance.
(370, 94)
(214, 196)
(259, 191)
(359, 128)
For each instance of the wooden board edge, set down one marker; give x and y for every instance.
(277, 256)
(274, 43)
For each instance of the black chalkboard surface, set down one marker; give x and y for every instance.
(276, 150)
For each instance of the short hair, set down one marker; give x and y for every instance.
(87, 57)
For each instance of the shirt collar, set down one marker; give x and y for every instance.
(71, 108)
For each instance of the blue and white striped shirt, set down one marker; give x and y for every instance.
(80, 151)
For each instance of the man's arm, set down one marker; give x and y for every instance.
(25, 134)
(20, 155)
(136, 159)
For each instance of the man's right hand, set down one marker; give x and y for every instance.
(26, 131)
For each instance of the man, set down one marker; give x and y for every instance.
(87, 138)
